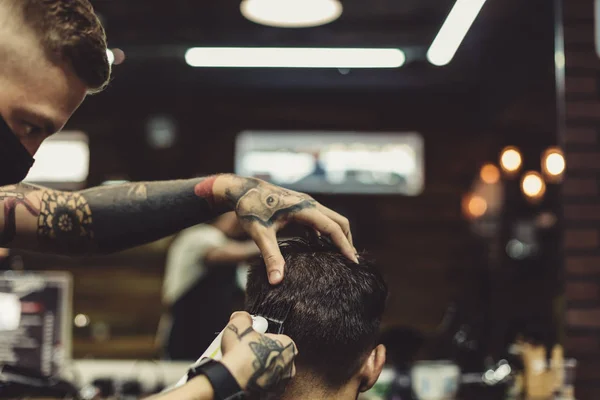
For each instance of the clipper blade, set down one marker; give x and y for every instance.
(275, 316)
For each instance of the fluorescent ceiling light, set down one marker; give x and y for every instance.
(280, 57)
(62, 158)
(291, 13)
(453, 31)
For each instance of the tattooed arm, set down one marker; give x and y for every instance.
(260, 363)
(100, 220)
(263, 209)
(107, 219)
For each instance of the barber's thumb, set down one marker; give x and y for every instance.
(275, 271)
(240, 318)
(239, 322)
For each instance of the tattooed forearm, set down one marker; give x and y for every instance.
(65, 222)
(103, 219)
(254, 200)
(128, 215)
(113, 218)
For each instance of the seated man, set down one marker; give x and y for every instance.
(332, 309)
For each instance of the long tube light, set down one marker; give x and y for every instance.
(453, 31)
(289, 57)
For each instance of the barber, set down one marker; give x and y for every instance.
(52, 54)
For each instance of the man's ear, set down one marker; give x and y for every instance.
(372, 367)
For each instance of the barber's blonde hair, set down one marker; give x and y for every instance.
(69, 31)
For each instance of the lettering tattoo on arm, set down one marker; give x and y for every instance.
(235, 330)
(258, 201)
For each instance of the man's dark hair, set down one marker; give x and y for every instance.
(333, 306)
(70, 31)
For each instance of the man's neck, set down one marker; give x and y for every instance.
(311, 389)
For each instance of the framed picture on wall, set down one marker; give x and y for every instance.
(334, 162)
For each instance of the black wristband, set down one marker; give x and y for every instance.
(224, 384)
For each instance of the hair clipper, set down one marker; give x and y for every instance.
(259, 324)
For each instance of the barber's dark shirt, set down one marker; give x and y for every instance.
(5, 263)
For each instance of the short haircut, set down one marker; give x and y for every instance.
(69, 31)
(334, 306)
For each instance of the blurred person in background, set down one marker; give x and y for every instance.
(204, 283)
(4, 259)
(52, 55)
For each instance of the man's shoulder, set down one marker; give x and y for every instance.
(202, 230)
(199, 235)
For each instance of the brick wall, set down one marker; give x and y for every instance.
(580, 101)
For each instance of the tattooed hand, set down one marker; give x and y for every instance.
(260, 363)
(263, 209)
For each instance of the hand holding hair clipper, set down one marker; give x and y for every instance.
(250, 359)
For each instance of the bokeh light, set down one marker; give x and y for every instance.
(489, 174)
(510, 159)
(532, 185)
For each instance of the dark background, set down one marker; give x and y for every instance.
(499, 90)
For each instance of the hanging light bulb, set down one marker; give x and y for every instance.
(291, 13)
(489, 174)
(474, 206)
(533, 186)
(510, 159)
(553, 164)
